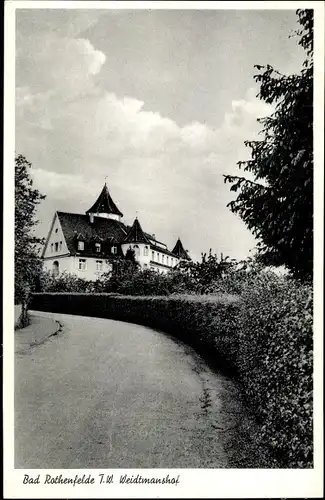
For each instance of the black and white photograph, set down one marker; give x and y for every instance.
(164, 165)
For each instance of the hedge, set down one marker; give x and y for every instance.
(264, 339)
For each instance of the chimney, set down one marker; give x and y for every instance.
(154, 236)
(91, 218)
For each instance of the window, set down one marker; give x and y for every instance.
(52, 247)
(55, 268)
(167, 258)
(146, 251)
(136, 250)
(162, 259)
(114, 250)
(158, 257)
(82, 264)
(60, 245)
(172, 261)
(81, 245)
(99, 265)
(56, 246)
(56, 230)
(97, 248)
(152, 255)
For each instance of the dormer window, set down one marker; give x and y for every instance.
(97, 247)
(81, 245)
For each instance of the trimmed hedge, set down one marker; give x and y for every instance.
(275, 363)
(263, 338)
(192, 319)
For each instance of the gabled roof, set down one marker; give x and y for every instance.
(104, 204)
(109, 230)
(136, 235)
(180, 251)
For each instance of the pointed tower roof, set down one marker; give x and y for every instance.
(136, 235)
(180, 251)
(104, 204)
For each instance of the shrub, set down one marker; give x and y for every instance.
(64, 282)
(275, 364)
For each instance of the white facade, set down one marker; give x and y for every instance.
(89, 268)
(150, 258)
(141, 252)
(57, 258)
(106, 216)
(55, 245)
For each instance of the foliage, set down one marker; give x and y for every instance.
(130, 255)
(210, 276)
(203, 275)
(64, 282)
(275, 360)
(264, 337)
(278, 205)
(146, 282)
(27, 261)
(128, 278)
(123, 271)
(187, 277)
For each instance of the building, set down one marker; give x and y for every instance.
(88, 244)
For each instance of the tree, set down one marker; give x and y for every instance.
(124, 270)
(199, 277)
(277, 206)
(130, 255)
(27, 261)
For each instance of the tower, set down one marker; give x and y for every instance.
(139, 242)
(180, 251)
(105, 207)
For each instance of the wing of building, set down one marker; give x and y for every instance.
(88, 244)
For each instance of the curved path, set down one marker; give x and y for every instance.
(108, 394)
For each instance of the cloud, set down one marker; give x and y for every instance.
(64, 23)
(64, 67)
(75, 132)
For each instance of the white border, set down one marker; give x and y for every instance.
(160, 4)
(199, 483)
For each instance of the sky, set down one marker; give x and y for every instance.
(157, 103)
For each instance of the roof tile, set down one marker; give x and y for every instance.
(104, 204)
(109, 231)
